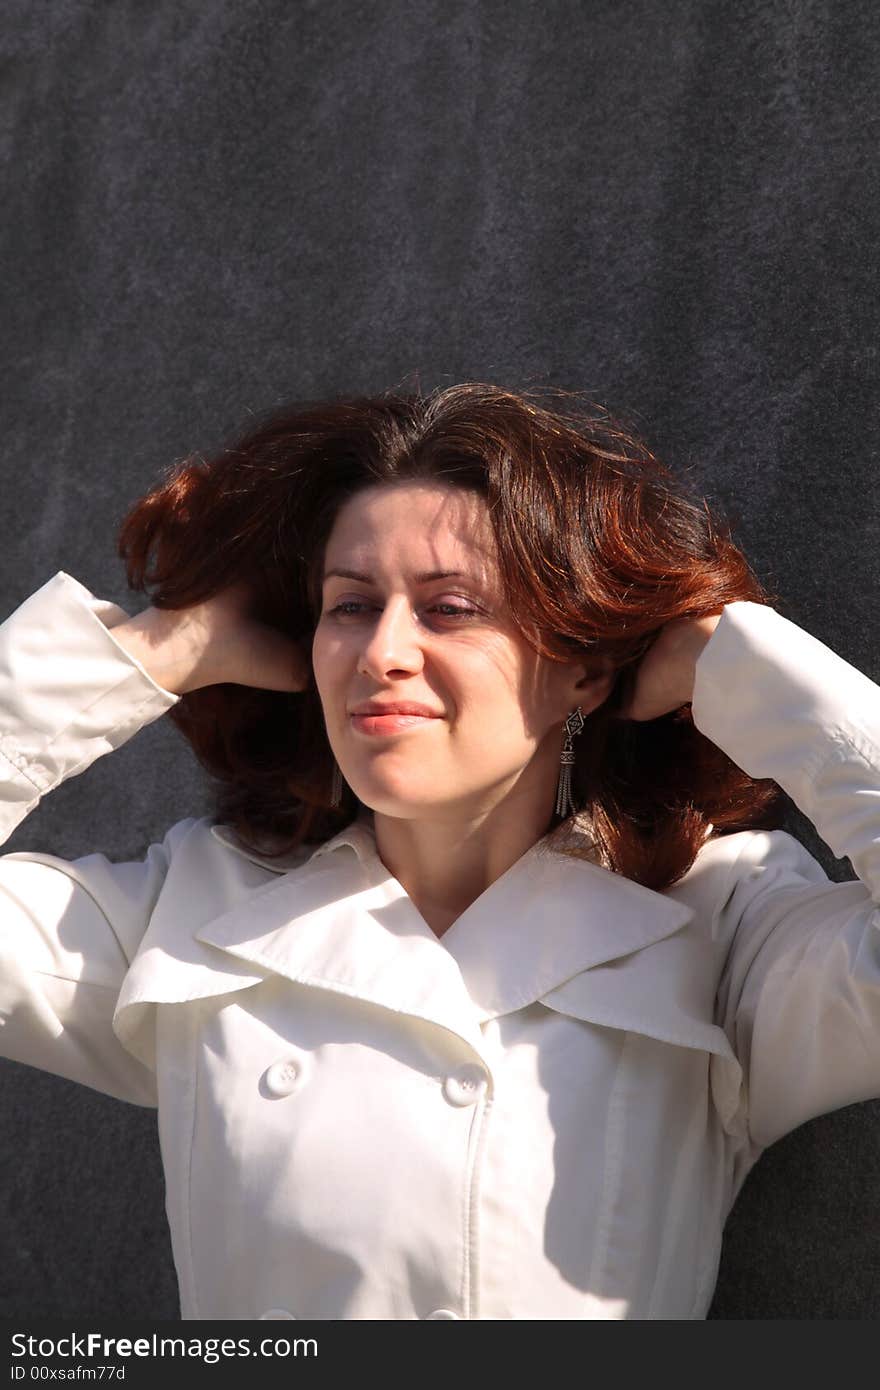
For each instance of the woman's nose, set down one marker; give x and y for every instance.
(393, 642)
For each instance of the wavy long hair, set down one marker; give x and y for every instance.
(599, 546)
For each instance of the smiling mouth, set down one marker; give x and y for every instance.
(389, 723)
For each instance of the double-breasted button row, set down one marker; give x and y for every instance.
(461, 1087)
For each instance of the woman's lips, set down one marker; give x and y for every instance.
(389, 723)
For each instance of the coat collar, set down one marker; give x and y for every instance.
(553, 927)
(340, 918)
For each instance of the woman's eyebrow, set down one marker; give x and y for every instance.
(424, 578)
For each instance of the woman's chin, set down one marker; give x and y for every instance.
(400, 805)
(418, 803)
(400, 794)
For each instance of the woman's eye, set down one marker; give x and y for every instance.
(454, 611)
(345, 608)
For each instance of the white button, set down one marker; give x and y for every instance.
(466, 1085)
(442, 1313)
(274, 1314)
(284, 1076)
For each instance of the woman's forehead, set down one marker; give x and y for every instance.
(428, 527)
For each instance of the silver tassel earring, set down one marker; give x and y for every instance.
(573, 725)
(336, 786)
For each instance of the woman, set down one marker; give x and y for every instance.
(493, 974)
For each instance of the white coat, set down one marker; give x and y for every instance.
(546, 1113)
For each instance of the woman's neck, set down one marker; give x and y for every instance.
(446, 864)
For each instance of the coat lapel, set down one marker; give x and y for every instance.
(341, 922)
(548, 918)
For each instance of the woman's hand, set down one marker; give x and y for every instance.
(186, 648)
(664, 678)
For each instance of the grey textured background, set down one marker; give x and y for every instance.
(212, 207)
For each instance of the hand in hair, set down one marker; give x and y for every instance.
(212, 642)
(664, 679)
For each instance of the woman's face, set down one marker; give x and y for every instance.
(413, 612)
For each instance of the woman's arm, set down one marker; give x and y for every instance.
(69, 693)
(217, 640)
(78, 678)
(800, 991)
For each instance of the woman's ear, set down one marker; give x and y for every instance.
(595, 683)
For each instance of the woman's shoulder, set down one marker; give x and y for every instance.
(214, 883)
(725, 863)
(747, 852)
(205, 846)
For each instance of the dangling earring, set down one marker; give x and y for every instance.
(573, 725)
(336, 786)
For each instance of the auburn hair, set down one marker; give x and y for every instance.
(598, 545)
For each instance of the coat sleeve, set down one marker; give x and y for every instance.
(69, 693)
(799, 996)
